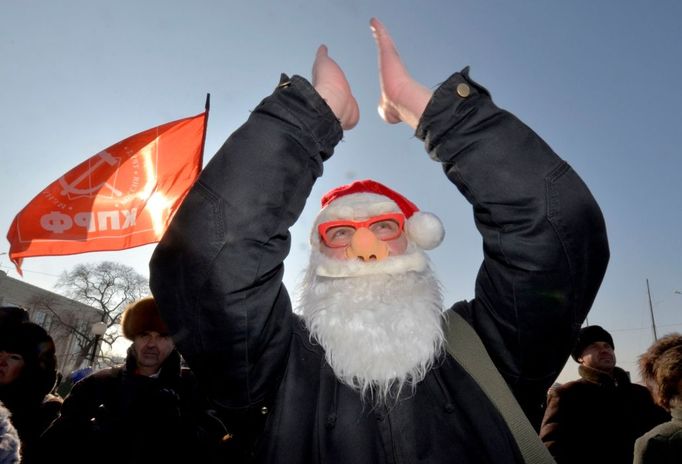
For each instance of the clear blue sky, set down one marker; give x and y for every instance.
(600, 81)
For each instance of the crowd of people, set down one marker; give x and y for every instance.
(366, 368)
(151, 409)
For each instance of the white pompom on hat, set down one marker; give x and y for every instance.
(366, 198)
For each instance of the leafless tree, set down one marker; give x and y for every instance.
(106, 286)
(68, 324)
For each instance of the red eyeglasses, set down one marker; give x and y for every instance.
(337, 234)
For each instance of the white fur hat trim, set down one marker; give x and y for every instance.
(425, 230)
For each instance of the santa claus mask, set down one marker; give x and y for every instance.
(375, 308)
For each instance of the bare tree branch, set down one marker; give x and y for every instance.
(106, 286)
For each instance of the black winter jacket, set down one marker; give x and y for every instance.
(599, 413)
(115, 416)
(31, 415)
(217, 278)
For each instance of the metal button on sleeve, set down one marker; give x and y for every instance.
(264, 410)
(463, 90)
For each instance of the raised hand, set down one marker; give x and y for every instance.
(330, 82)
(402, 98)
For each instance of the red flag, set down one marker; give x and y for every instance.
(123, 197)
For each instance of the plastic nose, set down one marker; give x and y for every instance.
(365, 246)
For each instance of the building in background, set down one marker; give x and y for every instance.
(68, 322)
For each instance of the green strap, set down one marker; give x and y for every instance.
(468, 350)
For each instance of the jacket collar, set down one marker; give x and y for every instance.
(619, 377)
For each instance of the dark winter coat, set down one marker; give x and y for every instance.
(117, 416)
(28, 397)
(662, 444)
(599, 413)
(217, 279)
(31, 419)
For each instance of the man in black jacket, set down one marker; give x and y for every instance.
(147, 410)
(602, 412)
(362, 375)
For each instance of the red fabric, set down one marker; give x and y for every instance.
(370, 186)
(122, 197)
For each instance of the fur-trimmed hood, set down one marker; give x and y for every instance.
(10, 445)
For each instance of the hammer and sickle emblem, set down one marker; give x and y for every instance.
(77, 187)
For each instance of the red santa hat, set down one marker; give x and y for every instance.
(367, 198)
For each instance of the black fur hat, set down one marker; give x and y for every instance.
(11, 314)
(37, 348)
(589, 335)
(142, 316)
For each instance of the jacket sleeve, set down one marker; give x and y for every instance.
(557, 432)
(655, 449)
(76, 428)
(544, 238)
(217, 272)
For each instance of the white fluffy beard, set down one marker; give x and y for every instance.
(380, 332)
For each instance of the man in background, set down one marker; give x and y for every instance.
(144, 411)
(597, 418)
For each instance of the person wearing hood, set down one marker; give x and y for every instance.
(142, 411)
(603, 411)
(661, 370)
(12, 314)
(28, 374)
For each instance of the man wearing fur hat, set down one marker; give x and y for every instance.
(602, 411)
(362, 374)
(144, 411)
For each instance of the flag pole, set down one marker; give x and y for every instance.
(651, 310)
(207, 107)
